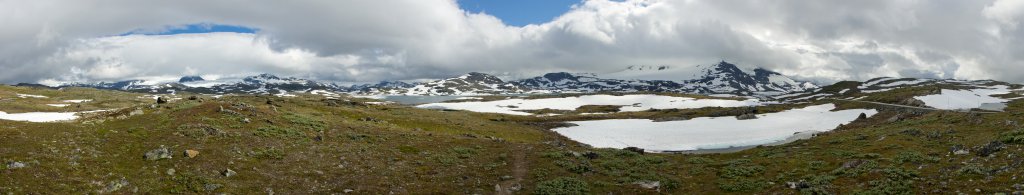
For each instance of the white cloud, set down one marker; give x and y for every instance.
(414, 39)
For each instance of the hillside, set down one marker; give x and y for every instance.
(317, 145)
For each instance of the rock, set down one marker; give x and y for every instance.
(191, 153)
(895, 118)
(797, 185)
(591, 155)
(348, 191)
(15, 165)
(852, 164)
(515, 187)
(170, 171)
(746, 116)
(634, 149)
(959, 150)
(136, 112)
(506, 177)
(862, 116)
(115, 185)
(161, 100)
(651, 185)
(157, 154)
(989, 149)
(228, 173)
(246, 120)
(211, 187)
(1018, 186)
(193, 98)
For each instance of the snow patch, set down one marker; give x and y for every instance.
(964, 99)
(709, 132)
(30, 96)
(76, 101)
(629, 103)
(39, 116)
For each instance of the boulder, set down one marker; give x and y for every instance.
(191, 153)
(157, 154)
(959, 150)
(989, 149)
(862, 116)
(228, 173)
(746, 116)
(651, 185)
(211, 187)
(115, 185)
(852, 164)
(161, 100)
(15, 165)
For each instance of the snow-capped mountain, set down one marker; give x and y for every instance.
(259, 84)
(473, 83)
(721, 78)
(726, 78)
(562, 82)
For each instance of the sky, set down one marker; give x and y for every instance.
(52, 41)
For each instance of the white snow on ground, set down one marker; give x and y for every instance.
(39, 116)
(843, 91)
(964, 99)
(709, 132)
(872, 83)
(629, 103)
(30, 96)
(877, 90)
(76, 101)
(815, 96)
(469, 98)
(901, 83)
(57, 105)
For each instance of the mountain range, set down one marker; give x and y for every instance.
(720, 78)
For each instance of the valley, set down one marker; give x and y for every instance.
(320, 142)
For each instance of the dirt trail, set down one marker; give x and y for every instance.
(520, 167)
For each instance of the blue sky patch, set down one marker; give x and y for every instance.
(193, 29)
(520, 12)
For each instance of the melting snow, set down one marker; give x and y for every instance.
(76, 101)
(57, 105)
(901, 83)
(629, 103)
(709, 132)
(964, 99)
(39, 116)
(30, 96)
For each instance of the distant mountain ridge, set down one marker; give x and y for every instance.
(720, 78)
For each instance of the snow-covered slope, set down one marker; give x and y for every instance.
(721, 78)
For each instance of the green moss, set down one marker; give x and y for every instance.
(562, 186)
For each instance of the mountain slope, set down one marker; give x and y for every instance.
(721, 78)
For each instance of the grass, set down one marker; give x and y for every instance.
(304, 145)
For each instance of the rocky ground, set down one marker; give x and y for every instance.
(311, 145)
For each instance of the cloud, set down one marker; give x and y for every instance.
(413, 39)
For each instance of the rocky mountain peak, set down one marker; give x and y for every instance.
(186, 79)
(480, 78)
